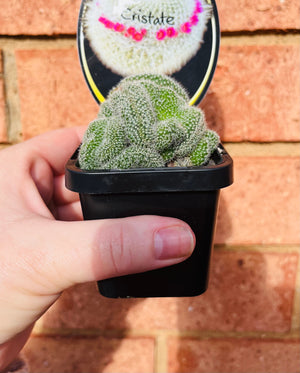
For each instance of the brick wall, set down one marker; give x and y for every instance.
(249, 319)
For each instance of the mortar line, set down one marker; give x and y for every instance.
(295, 324)
(163, 334)
(276, 248)
(291, 335)
(227, 38)
(260, 37)
(4, 130)
(161, 354)
(36, 42)
(10, 81)
(256, 149)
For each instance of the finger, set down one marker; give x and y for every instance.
(79, 252)
(61, 195)
(69, 212)
(56, 146)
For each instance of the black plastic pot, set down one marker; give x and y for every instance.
(190, 194)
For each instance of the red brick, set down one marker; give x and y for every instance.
(3, 127)
(247, 292)
(262, 206)
(262, 15)
(234, 356)
(52, 91)
(239, 108)
(93, 355)
(254, 94)
(83, 307)
(39, 17)
(60, 17)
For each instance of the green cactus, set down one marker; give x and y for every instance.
(147, 122)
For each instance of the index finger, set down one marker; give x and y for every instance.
(56, 147)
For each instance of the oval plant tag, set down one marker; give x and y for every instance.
(117, 38)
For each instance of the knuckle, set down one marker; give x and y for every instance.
(119, 248)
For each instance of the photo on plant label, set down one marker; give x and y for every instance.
(119, 38)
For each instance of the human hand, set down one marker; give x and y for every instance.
(46, 248)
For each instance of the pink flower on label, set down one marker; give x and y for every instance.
(137, 36)
(194, 20)
(131, 31)
(102, 20)
(161, 34)
(109, 24)
(186, 28)
(171, 32)
(119, 27)
(199, 8)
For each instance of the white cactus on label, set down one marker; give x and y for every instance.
(145, 36)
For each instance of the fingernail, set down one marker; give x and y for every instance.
(173, 242)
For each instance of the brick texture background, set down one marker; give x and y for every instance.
(249, 319)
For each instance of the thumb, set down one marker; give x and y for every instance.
(99, 249)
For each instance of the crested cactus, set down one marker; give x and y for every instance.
(147, 122)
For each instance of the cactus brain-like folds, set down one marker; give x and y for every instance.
(147, 122)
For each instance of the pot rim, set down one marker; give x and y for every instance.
(145, 180)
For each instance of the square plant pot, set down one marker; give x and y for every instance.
(190, 194)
